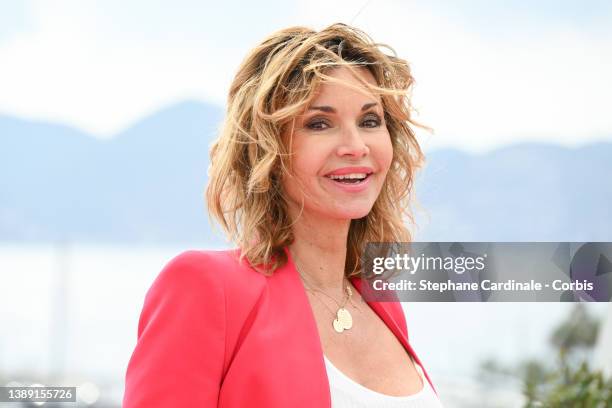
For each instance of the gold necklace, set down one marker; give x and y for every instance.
(348, 288)
(343, 319)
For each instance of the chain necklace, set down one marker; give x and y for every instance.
(349, 290)
(343, 319)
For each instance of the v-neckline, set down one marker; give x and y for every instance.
(379, 308)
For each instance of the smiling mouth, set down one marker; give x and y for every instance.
(350, 178)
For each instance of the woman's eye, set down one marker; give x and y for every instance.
(317, 125)
(371, 121)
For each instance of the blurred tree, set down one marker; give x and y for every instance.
(569, 382)
(579, 331)
(572, 383)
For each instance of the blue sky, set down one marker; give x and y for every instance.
(488, 73)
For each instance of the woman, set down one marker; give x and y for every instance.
(316, 157)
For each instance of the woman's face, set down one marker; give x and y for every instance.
(340, 139)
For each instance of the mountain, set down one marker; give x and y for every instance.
(524, 192)
(146, 185)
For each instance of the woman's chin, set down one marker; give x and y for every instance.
(353, 213)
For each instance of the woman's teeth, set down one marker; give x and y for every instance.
(349, 178)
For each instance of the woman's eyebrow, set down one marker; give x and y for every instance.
(329, 109)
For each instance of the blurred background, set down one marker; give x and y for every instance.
(107, 110)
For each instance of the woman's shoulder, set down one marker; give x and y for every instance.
(205, 270)
(204, 258)
(186, 327)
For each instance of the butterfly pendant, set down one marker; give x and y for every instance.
(343, 321)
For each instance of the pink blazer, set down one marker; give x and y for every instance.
(216, 333)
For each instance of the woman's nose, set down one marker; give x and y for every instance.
(352, 143)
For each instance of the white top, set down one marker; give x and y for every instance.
(347, 393)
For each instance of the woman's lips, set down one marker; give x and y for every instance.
(351, 187)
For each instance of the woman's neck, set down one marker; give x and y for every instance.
(319, 250)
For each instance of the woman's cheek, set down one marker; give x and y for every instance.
(385, 154)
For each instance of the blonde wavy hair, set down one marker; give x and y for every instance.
(274, 84)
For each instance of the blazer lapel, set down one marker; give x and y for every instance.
(389, 311)
(305, 335)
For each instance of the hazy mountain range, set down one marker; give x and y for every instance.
(146, 185)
